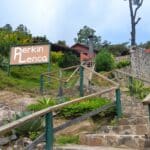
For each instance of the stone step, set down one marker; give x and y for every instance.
(133, 120)
(125, 129)
(85, 147)
(115, 140)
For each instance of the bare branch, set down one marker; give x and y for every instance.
(139, 5)
(136, 22)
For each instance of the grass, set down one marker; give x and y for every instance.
(67, 139)
(24, 78)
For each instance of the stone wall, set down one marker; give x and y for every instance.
(140, 62)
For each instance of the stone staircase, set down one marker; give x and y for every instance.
(130, 131)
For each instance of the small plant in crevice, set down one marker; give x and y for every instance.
(67, 139)
(138, 89)
(41, 104)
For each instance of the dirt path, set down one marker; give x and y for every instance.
(16, 102)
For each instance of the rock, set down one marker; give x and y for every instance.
(4, 141)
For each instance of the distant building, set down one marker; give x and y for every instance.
(83, 51)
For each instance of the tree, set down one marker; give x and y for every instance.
(83, 37)
(61, 42)
(134, 19)
(40, 39)
(7, 27)
(22, 28)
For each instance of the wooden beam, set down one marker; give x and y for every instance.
(130, 75)
(103, 77)
(70, 123)
(146, 100)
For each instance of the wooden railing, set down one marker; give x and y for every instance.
(49, 130)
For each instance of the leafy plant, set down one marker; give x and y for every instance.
(139, 90)
(56, 56)
(104, 61)
(68, 59)
(122, 64)
(41, 104)
(30, 126)
(78, 109)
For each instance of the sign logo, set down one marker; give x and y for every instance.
(35, 54)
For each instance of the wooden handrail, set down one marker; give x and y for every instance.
(130, 75)
(49, 73)
(101, 76)
(14, 124)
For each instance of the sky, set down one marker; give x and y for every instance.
(62, 19)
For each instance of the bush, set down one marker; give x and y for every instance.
(78, 109)
(104, 61)
(139, 90)
(56, 56)
(122, 64)
(68, 60)
(30, 126)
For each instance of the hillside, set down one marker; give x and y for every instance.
(23, 78)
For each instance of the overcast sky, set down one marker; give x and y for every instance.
(62, 19)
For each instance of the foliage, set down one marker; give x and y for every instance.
(123, 63)
(40, 39)
(145, 45)
(41, 104)
(139, 90)
(56, 56)
(30, 126)
(104, 61)
(83, 37)
(68, 60)
(20, 36)
(25, 78)
(118, 49)
(78, 109)
(67, 139)
(3, 62)
(61, 42)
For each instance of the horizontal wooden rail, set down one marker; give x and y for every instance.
(17, 123)
(101, 76)
(70, 123)
(64, 69)
(130, 75)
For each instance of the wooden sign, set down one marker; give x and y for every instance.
(33, 54)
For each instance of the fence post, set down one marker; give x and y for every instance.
(149, 110)
(118, 103)
(81, 81)
(131, 85)
(49, 131)
(41, 84)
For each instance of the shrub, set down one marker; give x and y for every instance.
(30, 126)
(78, 109)
(139, 90)
(56, 56)
(104, 61)
(68, 60)
(122, 64)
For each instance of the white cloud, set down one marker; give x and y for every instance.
(62, 19)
